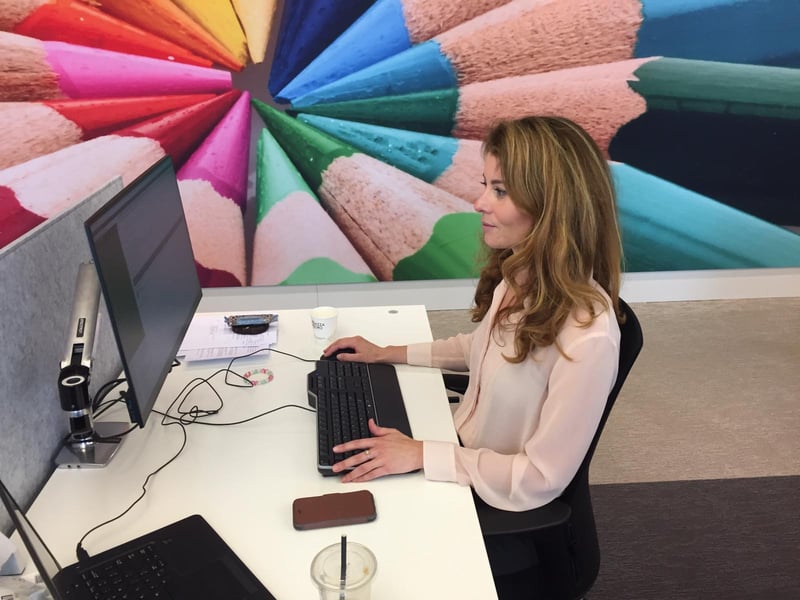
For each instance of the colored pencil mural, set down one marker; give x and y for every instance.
(213, 188)
(366, 116)
(296, 241)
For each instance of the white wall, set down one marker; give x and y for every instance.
(456, 294)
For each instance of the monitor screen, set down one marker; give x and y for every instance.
(141, 249)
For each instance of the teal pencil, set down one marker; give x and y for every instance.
(403, 227)
(296, 241)
(666, 228)
(448, 163)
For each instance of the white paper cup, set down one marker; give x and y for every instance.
(323, 322)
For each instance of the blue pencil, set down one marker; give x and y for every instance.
(307, 27)
(387, 28)
(577, 33)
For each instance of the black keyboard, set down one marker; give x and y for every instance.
(348, 394)
(138, 574)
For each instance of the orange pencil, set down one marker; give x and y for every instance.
(165, 19)
(78, 23)
(31, 129)
(43, 187)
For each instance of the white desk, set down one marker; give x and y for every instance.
(243, 478)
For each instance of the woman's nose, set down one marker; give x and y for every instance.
(480, 202)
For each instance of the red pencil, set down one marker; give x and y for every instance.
(179, 132)
(31, 129)
(34, 191)
(43, 187)
(78, 23)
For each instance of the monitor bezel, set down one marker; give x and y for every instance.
(137, 411)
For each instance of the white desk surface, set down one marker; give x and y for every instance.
(243, 478)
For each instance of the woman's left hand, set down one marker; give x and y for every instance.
(388, 452)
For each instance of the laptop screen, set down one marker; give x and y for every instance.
(46, 563)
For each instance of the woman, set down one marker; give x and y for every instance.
(543, 357)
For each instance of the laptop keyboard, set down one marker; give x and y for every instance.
(345, 402)
(137, 575)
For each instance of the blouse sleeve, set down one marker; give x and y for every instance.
(577, 394)
(451, 353)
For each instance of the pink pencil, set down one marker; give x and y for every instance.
(213, 185)
(34, 70)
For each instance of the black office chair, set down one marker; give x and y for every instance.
(563, 531)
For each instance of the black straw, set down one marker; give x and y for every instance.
(343, 568)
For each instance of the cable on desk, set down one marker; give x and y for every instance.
(185, 418)
(79, 550)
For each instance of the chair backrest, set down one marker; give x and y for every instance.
(573, 578)
(630, 344)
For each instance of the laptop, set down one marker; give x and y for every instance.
(186, 560)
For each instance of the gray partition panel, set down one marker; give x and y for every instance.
(38, 273)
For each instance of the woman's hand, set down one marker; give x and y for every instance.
(366, 351)
(388, 452)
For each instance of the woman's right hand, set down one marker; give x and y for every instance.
(366, 351)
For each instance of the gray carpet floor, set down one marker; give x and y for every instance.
(696, 479)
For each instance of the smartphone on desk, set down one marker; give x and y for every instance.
(331, 510)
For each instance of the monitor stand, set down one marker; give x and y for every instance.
(95, 452)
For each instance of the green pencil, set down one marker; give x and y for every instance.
(296, 241)
(403, 227)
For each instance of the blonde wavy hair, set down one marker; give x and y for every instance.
(553, 171)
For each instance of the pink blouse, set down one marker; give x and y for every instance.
(525, 427)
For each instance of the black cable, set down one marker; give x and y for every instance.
(79, 550)
(185, 418)
(104, 390)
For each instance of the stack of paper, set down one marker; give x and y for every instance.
(208, 337)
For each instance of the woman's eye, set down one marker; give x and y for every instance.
(499, 192)
(483, 182)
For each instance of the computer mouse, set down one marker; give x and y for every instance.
(335, 354)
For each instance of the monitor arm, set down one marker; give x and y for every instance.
(73, 379)
(89, 444)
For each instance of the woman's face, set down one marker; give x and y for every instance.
(504, 225)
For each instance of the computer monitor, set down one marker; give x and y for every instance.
(140, 244)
